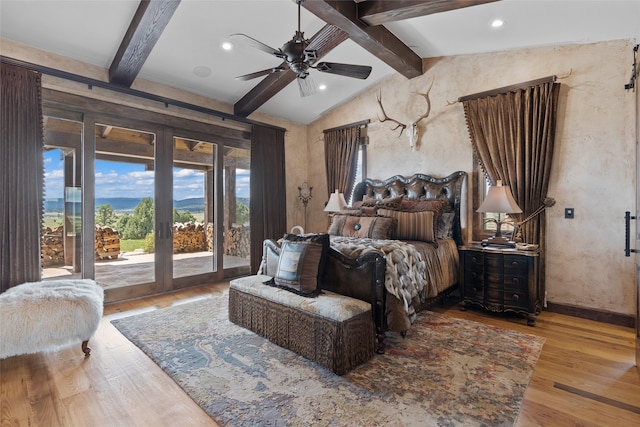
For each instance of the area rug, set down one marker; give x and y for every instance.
(445, 372)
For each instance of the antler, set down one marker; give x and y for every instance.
(399, 125)
(426, 97)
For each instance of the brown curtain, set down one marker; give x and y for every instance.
(341, 158)
(513, 135)
(268, 211)
(21, 169)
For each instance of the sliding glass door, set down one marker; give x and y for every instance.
(125, 204)
(143, 208)
(195, 246)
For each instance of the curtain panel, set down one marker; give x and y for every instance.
(341, 158)
(21, 171)
(268, 210)
(513, 135)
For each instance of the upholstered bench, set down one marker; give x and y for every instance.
(49, 315)
(332, 330)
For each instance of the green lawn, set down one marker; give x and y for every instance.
(131, 245)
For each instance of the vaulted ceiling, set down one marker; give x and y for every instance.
(178, 42)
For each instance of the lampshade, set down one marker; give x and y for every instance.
(500, 200)
(336, 202)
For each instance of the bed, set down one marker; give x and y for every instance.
(397, 248)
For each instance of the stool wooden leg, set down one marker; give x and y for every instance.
(85, 348)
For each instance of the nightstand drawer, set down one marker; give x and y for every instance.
(494, 294)
(516, 265)
(493, 263)
(473, 291)
(514, 281)
(516, 299)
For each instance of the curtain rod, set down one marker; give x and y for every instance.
(351, 125)
(127, 90)
(494, 92)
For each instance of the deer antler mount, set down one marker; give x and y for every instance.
(409, 129)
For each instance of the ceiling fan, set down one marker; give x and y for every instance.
(300, 59)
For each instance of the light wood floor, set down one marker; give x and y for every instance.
(585, 376)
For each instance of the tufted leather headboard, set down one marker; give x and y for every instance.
(416, 187)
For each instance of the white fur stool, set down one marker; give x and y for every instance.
(49, 315)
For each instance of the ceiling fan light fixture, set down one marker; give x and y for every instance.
(300, 59)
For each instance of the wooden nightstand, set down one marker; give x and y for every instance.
(501, 279)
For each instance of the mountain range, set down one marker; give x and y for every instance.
(128, 204)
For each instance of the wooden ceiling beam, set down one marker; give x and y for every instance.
(126, 151)
(326, 39)
(377, 40)
(145, 29)
(378, 12)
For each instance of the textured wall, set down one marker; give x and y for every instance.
(594, 163)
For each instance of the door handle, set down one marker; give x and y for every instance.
(627, 227)
(159, 232)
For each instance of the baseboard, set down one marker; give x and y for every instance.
(592, 314)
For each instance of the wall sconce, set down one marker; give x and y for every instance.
(304, 195)
(499, 200)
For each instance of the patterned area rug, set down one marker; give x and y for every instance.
(446, 372)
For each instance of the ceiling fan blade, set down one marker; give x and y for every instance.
(306, 85)
(259, 45)
(259, 73)
(348, 70)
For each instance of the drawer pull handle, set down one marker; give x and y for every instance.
(515, 297)
(475, 290)
(514, 263)
(474, 259)
(516, 280)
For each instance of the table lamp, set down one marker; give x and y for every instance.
(499, 200)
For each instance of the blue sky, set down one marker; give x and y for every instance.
(115, 179)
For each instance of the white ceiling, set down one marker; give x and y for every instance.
(91, 31)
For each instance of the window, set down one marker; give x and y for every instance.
(361, 167)
(481, 229)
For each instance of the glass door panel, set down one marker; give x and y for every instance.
(125, 211)
(236, 228)
(62, 222)
(194, 213)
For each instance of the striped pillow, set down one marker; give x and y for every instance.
(413, 225)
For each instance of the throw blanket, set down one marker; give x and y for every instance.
(405, 270)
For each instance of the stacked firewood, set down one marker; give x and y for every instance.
(52, 252)
(107, 243)
(189, 237)
(237, 241)
(210, 236)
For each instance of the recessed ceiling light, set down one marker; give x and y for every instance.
(227, 45)
(322, 86)
(497, 23)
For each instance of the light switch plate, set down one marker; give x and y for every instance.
(568, 213)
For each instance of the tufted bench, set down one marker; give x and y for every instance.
(332, 330)
(49, 315)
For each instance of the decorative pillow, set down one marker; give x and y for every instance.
(445, 226)
(374, 227)
(388, 203)
(413, 225)
(438, 206)
(301, 264)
